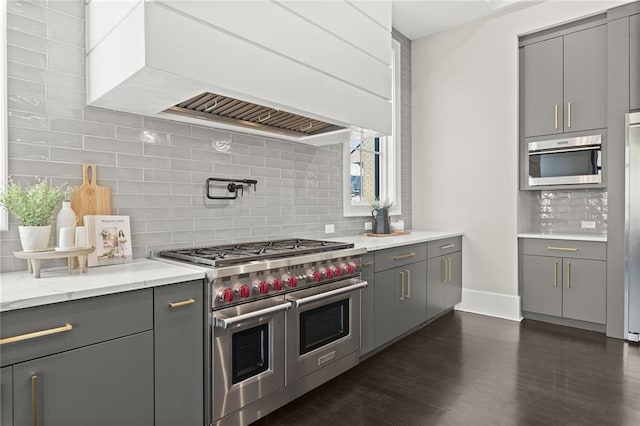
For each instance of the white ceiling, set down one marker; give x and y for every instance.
(419, 18)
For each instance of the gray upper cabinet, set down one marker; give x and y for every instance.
(179, 354)
(6, 396)
(368, 305)
(634, 45)
(543, 101)
(565, 83)
(105, 384)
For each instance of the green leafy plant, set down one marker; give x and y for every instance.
(384, 204)
(33, 205)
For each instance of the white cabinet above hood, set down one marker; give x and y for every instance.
(327, 62)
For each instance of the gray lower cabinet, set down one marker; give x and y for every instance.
(109, 383)
(400, 299)
(6, 396)
(634, 50)
(566, 286)
(178, 354)
(367, 305)
(444, 276)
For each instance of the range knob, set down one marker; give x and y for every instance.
(244, 291)
(353, 267)
(339, 271)
(291, 281)
(262, 287)
(329, 273)
(276, 284)
(316, 276)
(226, 295)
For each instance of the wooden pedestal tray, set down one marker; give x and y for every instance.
(35, 258)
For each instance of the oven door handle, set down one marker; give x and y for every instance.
(226, 322)
(320, 296)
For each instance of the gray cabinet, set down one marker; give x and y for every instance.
(179, 354)
(565, 279)
(634, 50)
(6, 396)
(109, 383)
(367, 305)
(444, 276)
(565, 83)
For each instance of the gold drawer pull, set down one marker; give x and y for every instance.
(448, 246)
(35, 334)
(404, 256)
(183, 303)
(562, 248)
(34, 400)
(369, 263)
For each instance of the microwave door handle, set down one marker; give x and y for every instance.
(561, 150)
(320, 296)
(226, 322)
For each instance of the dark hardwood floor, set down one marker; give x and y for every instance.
(467, 369)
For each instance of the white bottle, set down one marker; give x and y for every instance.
(66, 218)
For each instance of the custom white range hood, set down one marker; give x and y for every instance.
(313, 72)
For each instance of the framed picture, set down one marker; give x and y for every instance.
(111, 235)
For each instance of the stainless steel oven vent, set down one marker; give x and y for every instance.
(226, 110)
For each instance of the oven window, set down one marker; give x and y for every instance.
(574, 163)
(250, 352)
(323, 325)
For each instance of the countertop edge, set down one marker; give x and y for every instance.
(415, 236)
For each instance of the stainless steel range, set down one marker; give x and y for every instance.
(285, 318)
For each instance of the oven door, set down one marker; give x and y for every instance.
(323, 325)
(248, 354)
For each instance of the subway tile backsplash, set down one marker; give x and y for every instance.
(157, 168)
(564, 211)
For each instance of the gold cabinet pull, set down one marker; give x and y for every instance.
(401, 285)
(35, 334)
(404, 256)
(408, 283)
(448, 246)
(369, 263)
(182, 303)
(555, 274)
(556, 116)
(569, 276)
(562, 248)
(568, 114)
(34, 400)
(450, 272)
(443, 270)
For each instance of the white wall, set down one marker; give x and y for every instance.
(465, 136)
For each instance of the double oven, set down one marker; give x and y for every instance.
(280, 327)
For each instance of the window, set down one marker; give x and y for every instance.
(372, 164)
(3, 109)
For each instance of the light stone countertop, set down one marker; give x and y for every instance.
(379, 243)
(576, 237)
(21, 290)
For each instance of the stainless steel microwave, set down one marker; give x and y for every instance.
(569, 161)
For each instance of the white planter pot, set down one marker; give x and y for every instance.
(34, 238)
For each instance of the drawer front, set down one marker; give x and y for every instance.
(73, 324)
(566, 248)
(444, 246)
(399, 256)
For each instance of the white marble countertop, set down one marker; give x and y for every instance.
(379, 243)
(576, 237)
(21, 290)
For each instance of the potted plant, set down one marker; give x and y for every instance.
(33, 206)
(380, 214)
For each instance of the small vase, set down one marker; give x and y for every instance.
(34, 238)
(66, 218)
(381, 221)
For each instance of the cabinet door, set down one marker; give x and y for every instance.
(388, 299)
(543, 88)
(179, 354)
(367, 308)
(6, 396)
(634, 46)
(414, 304)
(585, 79)
(542, 285)
(454, 286)
(437, 273)
(585, 290)
(105, 384)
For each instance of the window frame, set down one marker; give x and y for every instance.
(4, 164)
(390, 171)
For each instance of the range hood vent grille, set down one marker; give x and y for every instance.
(226, 110)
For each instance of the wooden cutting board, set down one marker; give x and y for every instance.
(89, 198)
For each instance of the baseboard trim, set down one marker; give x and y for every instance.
(491, 304)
